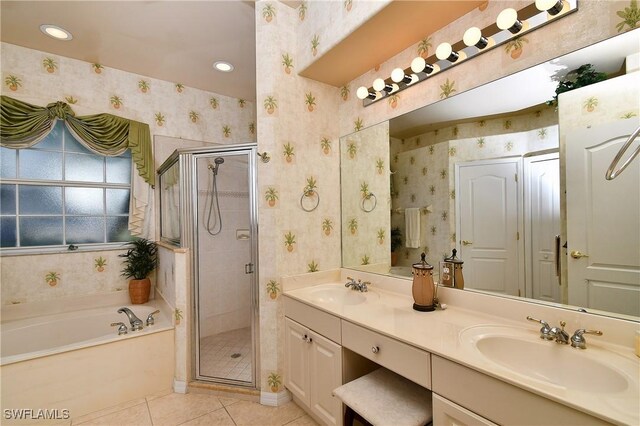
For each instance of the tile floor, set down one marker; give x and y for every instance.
(196, 409)
(216, 352)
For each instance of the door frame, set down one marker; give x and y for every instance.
(528, 253)
(189, 158)
(517, 160)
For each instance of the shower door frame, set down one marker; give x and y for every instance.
(190, 231)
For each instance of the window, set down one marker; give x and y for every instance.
(58, 193)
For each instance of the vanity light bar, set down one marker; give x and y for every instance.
(510, 23)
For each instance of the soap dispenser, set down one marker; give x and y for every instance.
(423, 286)
(451, 271)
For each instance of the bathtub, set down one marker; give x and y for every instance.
(76, 361)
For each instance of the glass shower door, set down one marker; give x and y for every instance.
(225, 278)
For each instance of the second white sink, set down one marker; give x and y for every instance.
(521, 351)
(337, 294)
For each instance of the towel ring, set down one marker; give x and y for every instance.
(309, 194)
(368, 197)
(611, 173)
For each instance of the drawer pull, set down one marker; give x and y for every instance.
(307, 339)
(375, 349)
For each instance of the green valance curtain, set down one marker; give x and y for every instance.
(23, 125)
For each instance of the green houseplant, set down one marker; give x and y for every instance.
(140, 260)
(584, 75)
(396, 242)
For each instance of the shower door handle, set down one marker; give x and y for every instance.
(248, 268)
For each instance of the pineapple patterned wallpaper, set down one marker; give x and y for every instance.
(365, 198)
(424, 167)
(170, 108)
(296, 125)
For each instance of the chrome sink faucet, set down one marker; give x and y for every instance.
(561, 336)
(360, 286)
(136, 323)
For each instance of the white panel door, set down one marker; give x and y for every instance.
(488, 224)
(296, 345)
(325, 375)
(542, 226)
(603, 221)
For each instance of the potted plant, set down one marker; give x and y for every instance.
(140, 261)
(396, 242)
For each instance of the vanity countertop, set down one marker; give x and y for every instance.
(438, 332)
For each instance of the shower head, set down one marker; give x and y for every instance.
(217, 161)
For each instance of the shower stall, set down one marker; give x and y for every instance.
(207, 204)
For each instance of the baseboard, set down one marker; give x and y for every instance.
(179, 386)
(275, 399)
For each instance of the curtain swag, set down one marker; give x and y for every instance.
(23, 125)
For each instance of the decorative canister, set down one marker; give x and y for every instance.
(451, 271)
(423, 286)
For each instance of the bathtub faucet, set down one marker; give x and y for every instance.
(136, 323)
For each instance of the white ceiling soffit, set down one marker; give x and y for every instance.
(176, 41)
(530, 87)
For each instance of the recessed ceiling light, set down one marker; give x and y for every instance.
(56, 32)
(223, 66)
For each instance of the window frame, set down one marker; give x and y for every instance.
(64, 184)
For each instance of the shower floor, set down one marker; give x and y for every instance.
(227, 355)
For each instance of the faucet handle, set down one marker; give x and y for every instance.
(578, 341)
(150, 319)
(122, 329)
(545, 331)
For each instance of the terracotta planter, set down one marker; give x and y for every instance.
(139, 291)
(394, 258)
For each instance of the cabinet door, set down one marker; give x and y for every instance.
(446, 413)
(296, 377)
(325, 374)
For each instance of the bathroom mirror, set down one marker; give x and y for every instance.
(453, 165)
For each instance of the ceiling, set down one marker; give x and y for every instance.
(178, 41)
(175, 41)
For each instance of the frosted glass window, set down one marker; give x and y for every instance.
(7, 199)
(41, 231)
(118, 169)
(84, 168)
(117, 201)
(40, 199)
(53, 141)
(84, 230)
(35, 164)
(72, 145)
(117, 229)
(58, 192)
(8, 163)
(87, 201)
(8, 232)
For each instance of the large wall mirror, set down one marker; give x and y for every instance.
(516, 186)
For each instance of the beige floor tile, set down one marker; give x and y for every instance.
(216, 418)
(176, 408)
(305, 420)
(251, 413)
(107, 411)
(159, 394)
(137, 415)
(227, 401)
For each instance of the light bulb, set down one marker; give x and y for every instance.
(553, 7)
(378, 85)
(508, 20)
(362, 92)
(56, 32)
(419, 65)
(398, 76)
(444, 51)
(473, 37)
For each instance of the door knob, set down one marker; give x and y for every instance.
(466, 243)
(578, 254)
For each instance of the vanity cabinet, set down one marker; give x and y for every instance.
(313, 363)
(446, 413)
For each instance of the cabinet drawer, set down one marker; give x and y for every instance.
(315, 319)
(409, 362)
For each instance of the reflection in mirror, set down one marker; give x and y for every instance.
(169, 181)
(493, 172)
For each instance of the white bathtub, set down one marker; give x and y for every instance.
(76, 361)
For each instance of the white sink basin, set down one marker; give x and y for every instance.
(340, 295)
(521, 351)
